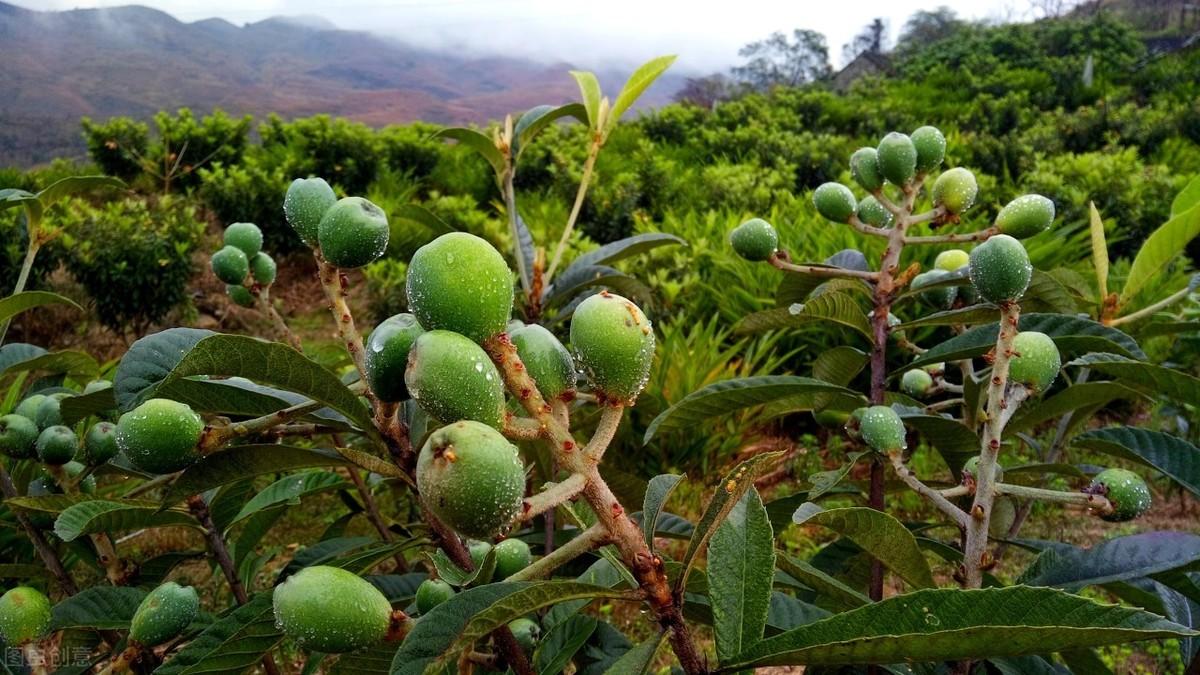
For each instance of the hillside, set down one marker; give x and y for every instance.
(60, 66)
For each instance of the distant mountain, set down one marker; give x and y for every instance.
(133, 60)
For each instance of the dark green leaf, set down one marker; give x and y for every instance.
(289, 490)
(271, 363)
(112, 515)
(324, 553)
(15, 304)
(624, 248)
(724, 397)
(1175, 457)
(877, 533)
(149, 361)
(580, 277)
(953, 624)
(75, 408)
(823, 583)
(232, 644)
(657, 493)
(18, 352)
(963, 315)
(245, 461)
(833, 307)
(1071, 334)
(561, 643)
(741, 564)
(1119, 559)
(637, 661)
(103, 607)
(1075, 397)
(727, 494)
(1155, 379)
(68, 362)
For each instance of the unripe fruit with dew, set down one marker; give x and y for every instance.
(1004, 514)
(931, 148)
(97, 385)
(24, 616)
(49, 413)
(164, 614)
(240, 295)
(546, 360)
(330, 610)
(835, 202)
(871, 212)
(263, 269)
(56, 445)
(18, 436)
(971, 468)
(952, 260)
(352, 233)
(955, 190)
(478, 550)
(1000, 269)
(1025, 216)
(431, 593)
(614, 343)
(387, 356)
(305, 204)
(28, 407)
(831, 419)
(897, 158)
(882, 429)
(244, 236)
(853, 424)
(943, 296)
(864, 168)
(754, 239)
(231, 265)
(453, 379)
(460, 282)
(512, 556)
(160, 436)
(916, 382)
(1125, 490)
(73, 471)
(1035, 361)
(472, 478)
(527, 632)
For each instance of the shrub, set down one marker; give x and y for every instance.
(134, 258)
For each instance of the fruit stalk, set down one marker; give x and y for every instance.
(939, 500)
(216, 437)
(591, 538)
(953, 238)
(647, 568)
(556, 494)
(779, 260)
(216, 545)
(975, 547)
(115, 569)
(335, 291)
(45, 552)
(1097, 503)
(263, 298)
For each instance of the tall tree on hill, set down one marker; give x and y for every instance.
(927, 26)
(782, 61)
(872, 39)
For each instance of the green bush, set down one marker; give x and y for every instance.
(250, 192)
(133, 257)
(344, 153)
(117, 145)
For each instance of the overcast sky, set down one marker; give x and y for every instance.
(705, 33)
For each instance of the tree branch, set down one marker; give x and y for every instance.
(944, 505)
